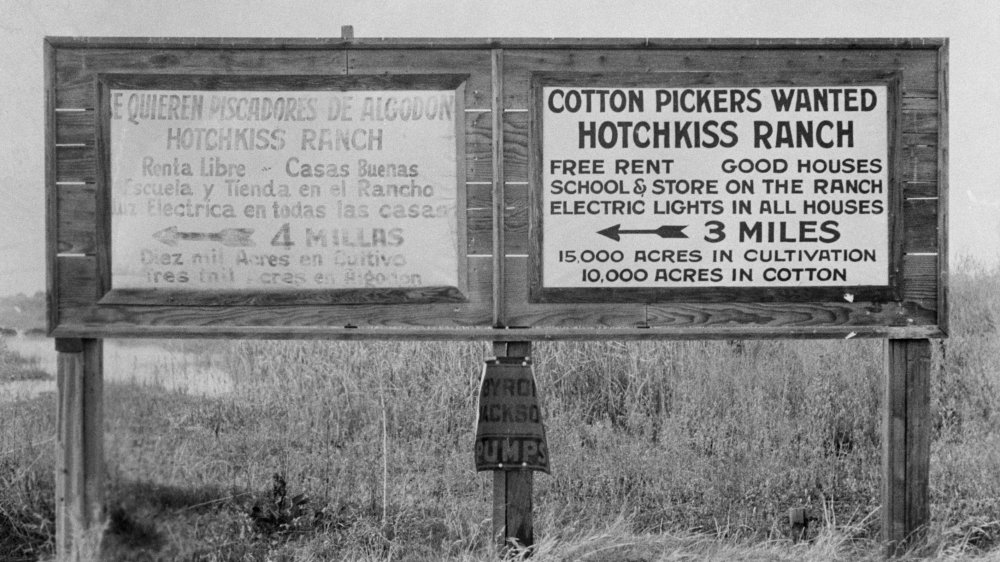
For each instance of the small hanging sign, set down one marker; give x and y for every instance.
(509, 430)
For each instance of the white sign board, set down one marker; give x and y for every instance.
(714, 187)
(283, 190)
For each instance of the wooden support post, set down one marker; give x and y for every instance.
(512, 489)
(79, 450)
(906, 445)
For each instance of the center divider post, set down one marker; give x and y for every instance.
(513, 489)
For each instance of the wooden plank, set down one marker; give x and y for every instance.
(256, 43)
(76, 68)
(769, 66)
(76, 164)
(920, 114)
(790, 316)
(920, 225)
(76, 219)
(894, 446)
(475, 63)
(512, 508)
(51, 199)
(499, 511)
(516, 145)
(918, 438)
(516, 219)
(480, 234)
(512, 489)
(291, 43)
(921, 189)
(79, 283)
(75, 127)
(497, 193)
(919, 164)
(478, 146)
(906, 444)
(942, 181)
(521, 312)
(485, 332)
(920, 280)
(79, 470)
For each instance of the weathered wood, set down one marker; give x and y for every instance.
(475, 63)
(942, 181)
(516, 219)
(75, 127)
(258, 298)
(920, 189)
(920, 225)
(51, 199)
(512, 508)
(658, 43)
(497, 194)
(516, 145)
(522, 312)
(905, 444)
(479, 146)
(79, 451)
(920, 280)
(512, 489)
(480, 234)
(79, 283)
(76, 219)
(919, 163)
(76, 68)
(479, 333)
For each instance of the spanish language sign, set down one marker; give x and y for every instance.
(283, 190)
(714, 187)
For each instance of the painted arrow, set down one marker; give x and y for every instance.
(665, 231)
(228, 236)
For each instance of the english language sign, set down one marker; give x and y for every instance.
(701, 187)
(283, 190)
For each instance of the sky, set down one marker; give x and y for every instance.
(973, 27)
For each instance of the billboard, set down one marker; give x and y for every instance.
(704, 187)
(283, 191)
(496, 189)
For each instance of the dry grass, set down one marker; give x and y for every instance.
(660, 451)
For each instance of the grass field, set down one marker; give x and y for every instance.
(249, 450)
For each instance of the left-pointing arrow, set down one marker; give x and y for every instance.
(240, 237)
(666, 231)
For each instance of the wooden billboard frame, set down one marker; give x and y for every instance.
(500, 305)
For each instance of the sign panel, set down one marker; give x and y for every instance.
(283, 191)
(714, 187)
(510, 434)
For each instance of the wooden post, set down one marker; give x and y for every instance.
(906, 444)
(79, 450)
(512, 489)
